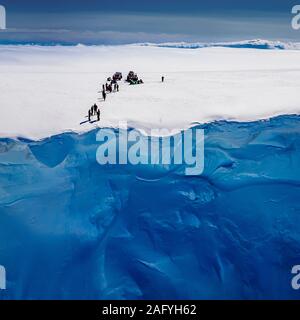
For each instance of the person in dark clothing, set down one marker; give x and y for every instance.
(92, 110)
(162, 79)
(95, 109)
(98, 115)
(89, 115)
(103, 87)
(118, 87)
(104, 95)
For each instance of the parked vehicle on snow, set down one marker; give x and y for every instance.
(117, 76)
(132, 77)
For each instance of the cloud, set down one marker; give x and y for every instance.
(91, 28)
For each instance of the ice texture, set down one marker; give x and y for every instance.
(70, 228)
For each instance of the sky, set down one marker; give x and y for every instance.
(121, 21)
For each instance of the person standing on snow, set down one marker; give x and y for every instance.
(104, 95)
(98, 115)
(94, 109)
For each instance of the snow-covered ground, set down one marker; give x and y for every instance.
(48, 90)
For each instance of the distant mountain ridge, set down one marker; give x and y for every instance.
(246, 44)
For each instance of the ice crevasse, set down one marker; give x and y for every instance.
(73, 229)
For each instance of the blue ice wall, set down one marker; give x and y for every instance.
(70, 228)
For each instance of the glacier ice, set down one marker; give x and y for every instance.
(247, 44)
(72, 229)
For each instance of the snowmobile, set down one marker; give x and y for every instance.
(118, 76)
(132, 77)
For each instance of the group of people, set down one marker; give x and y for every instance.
(94, 111)
(108, 87)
